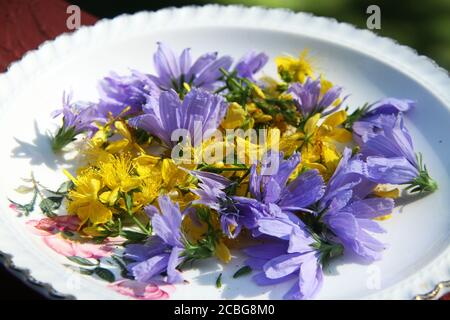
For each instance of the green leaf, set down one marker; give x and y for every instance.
(219, 281)
(242, 272)
(24, 189)
(82, 261)
(129, 201)
(85, 271)
(64, 187)
(67, 234)
(81, 270)
(63, 137)
(133, 236)
(105, 274)
(26, 208)
(122, 266)
(48, 205)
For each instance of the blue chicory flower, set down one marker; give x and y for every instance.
(250, 64)
(291, 255)
(373, 118)
(234, 212)
(163, 251)
(272, 188)
(389, 153)
(308, 99)
(348, 212)
(173, 72)
(273, 195)
(79, 116)
(120, 92)
(200, 112)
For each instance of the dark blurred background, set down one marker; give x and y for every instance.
(422, 25)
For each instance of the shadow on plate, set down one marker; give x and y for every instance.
(39, 151)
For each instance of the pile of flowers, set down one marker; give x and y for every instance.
(205, 156)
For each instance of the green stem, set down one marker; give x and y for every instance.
(128, 202)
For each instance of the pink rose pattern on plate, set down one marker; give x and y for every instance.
(50, 229)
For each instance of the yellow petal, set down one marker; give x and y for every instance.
(122, 129)
(104, 197)
(257, 90)
(235, 117)
(95, 212)
(95, 186)
(94, 231)
(325, 85)
(117, 146)
(382, 192)
(330, 156)
(99, 137)
(222, 252)
(70, 176)
(311, 124)
(110, 197)
(340, 135)
(335, 119)
(385, 217)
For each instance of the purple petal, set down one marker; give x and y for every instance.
(185, 61)
(199, 65)
(167, 224)
(283, 265)
(300, 241)
(251, 63)
(329, 97)
(372, 208)
(391, 106)
(142, 252)
(213, 180)
(305, 190)
(310, 277)
(211, 73)
(255, 263)
(267, 251)
(391, 142)
(281, 229)
(145, 271)
(396, 170)
(200, 106)
(166, 64)
(262, 280)
(173, 275)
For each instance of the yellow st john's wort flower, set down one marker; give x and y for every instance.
(317, 143)
(146, 165)
(320, 142)
(293, 69)
(235, 116)
(258, 92)
(173, 176)
(257, 114)
(119, 176)
(249, 149)
(109, 139)
(84, 198)
(151, 180)
(112, 138)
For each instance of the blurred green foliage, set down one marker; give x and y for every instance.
(422, 25)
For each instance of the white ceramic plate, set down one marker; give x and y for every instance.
(367, 66)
